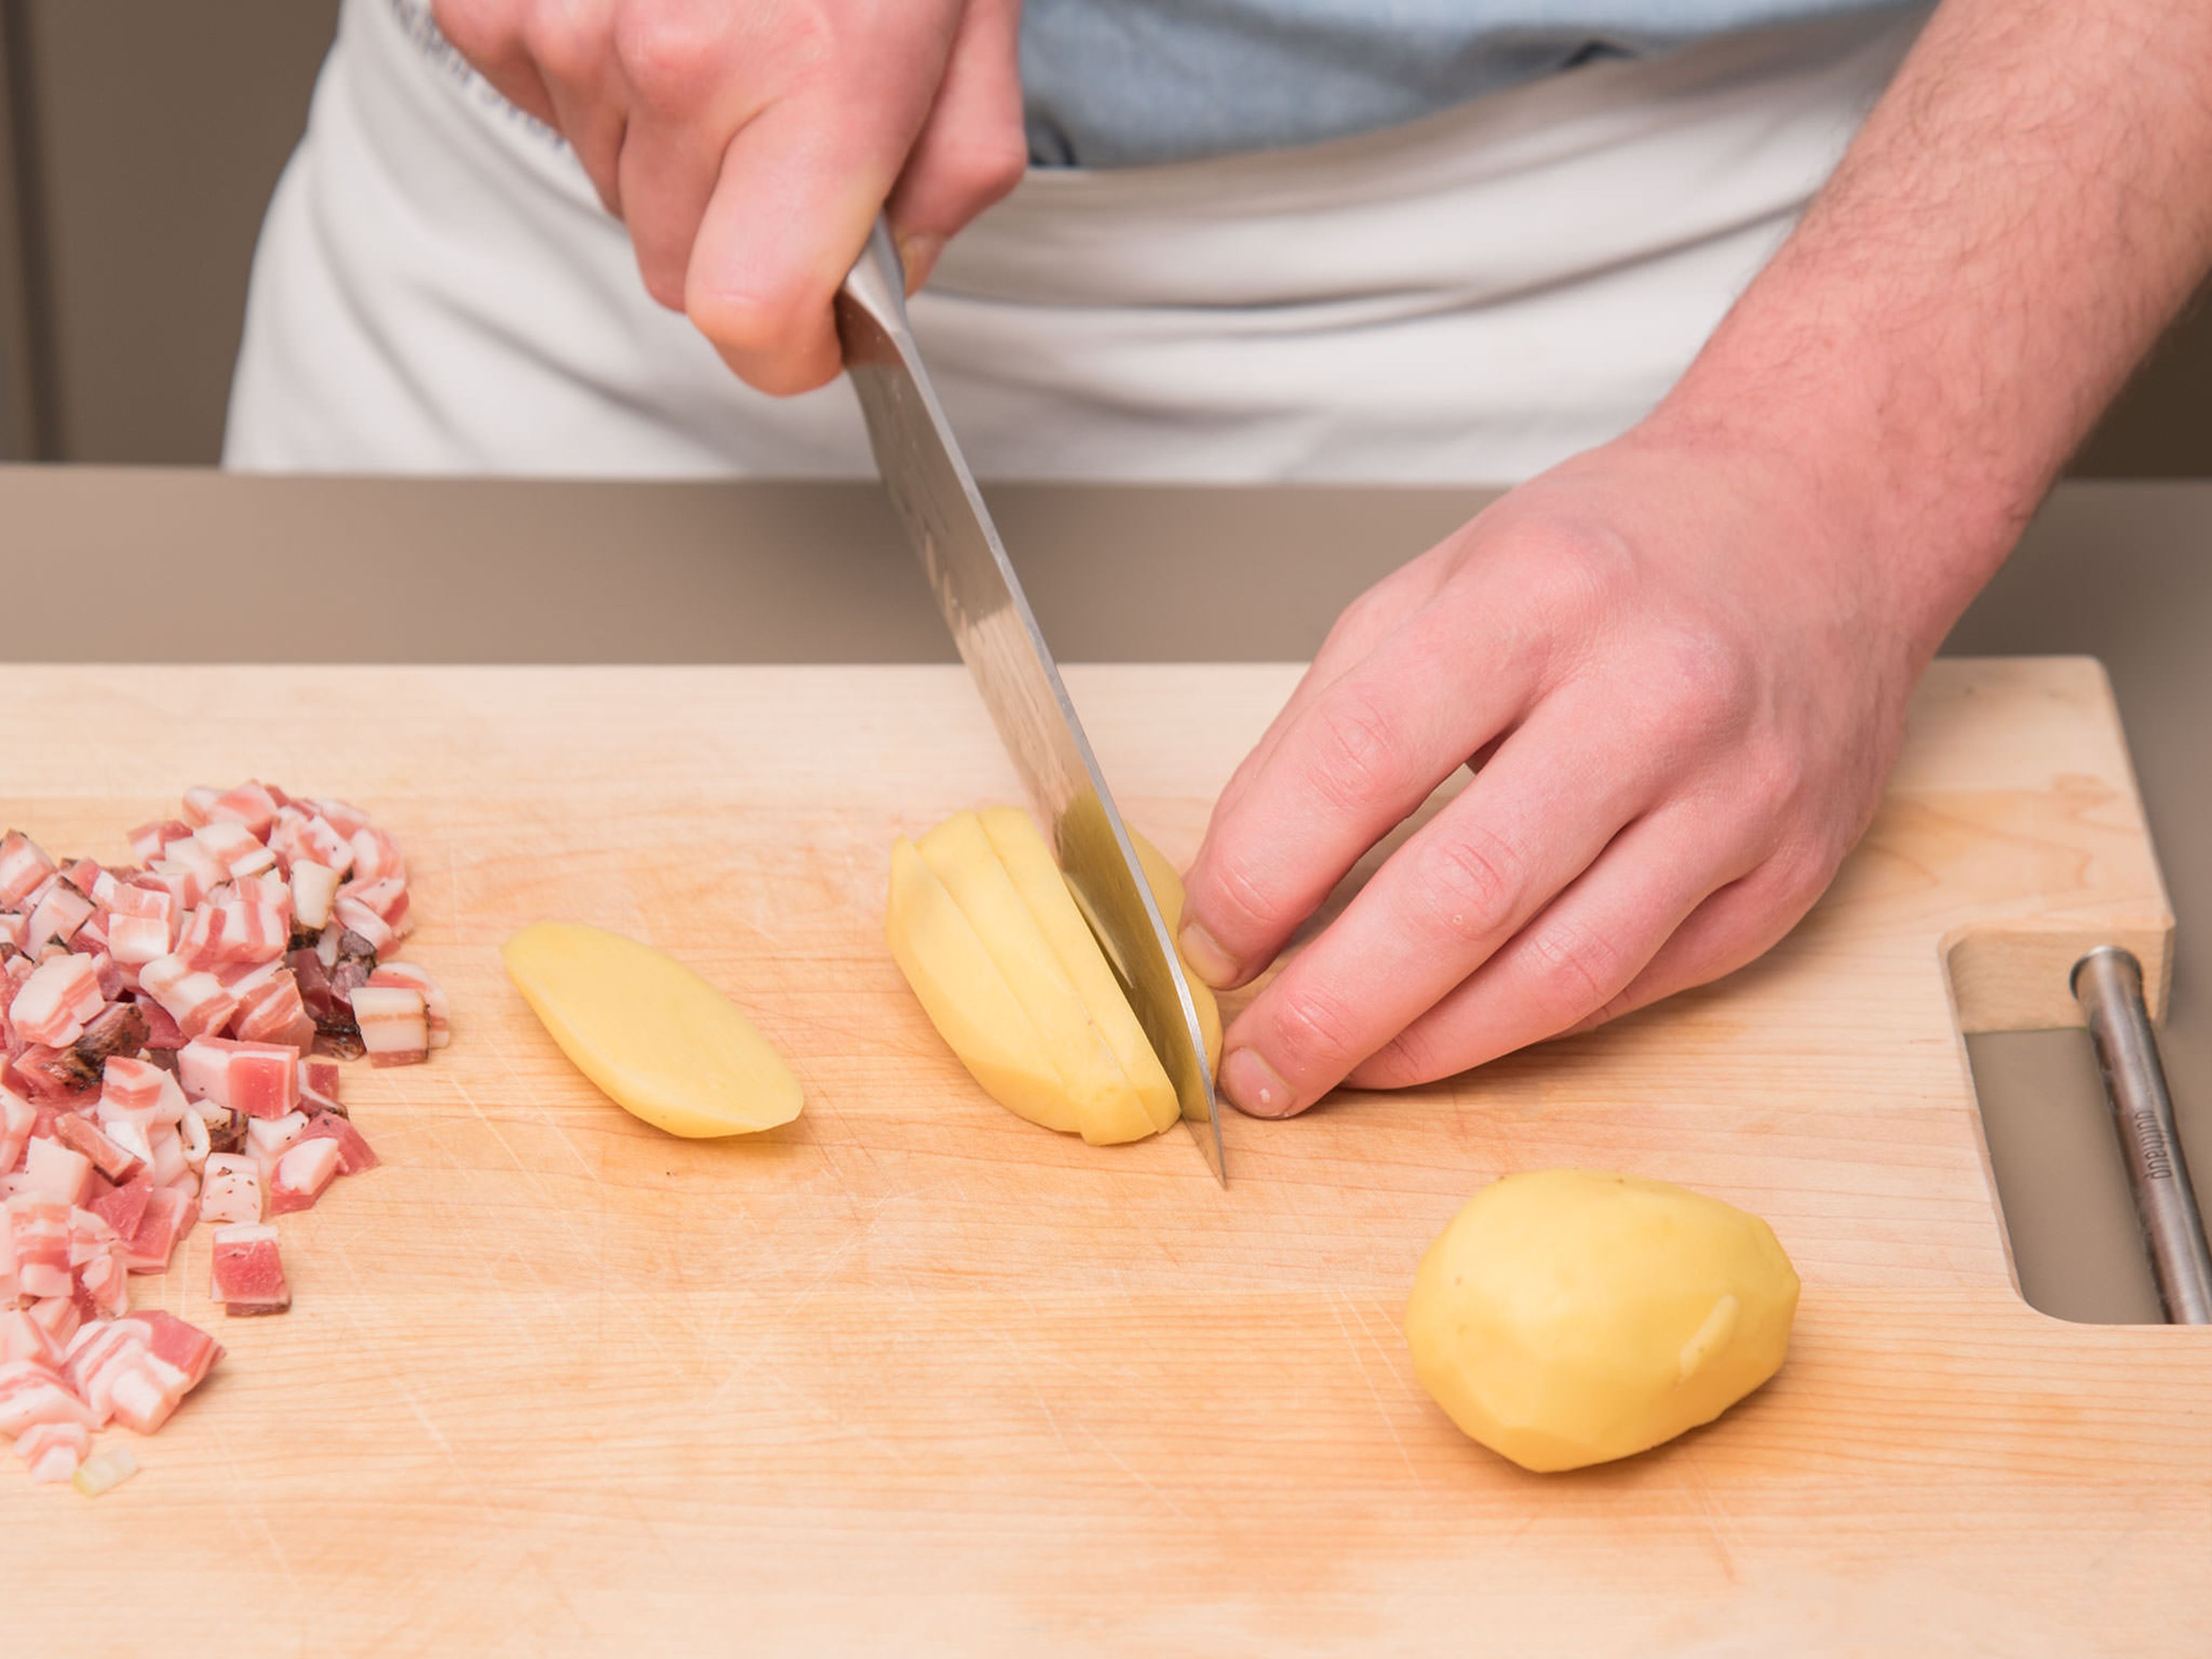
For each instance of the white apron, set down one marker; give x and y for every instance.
(1465, 298)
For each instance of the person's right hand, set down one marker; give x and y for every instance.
(749, 147)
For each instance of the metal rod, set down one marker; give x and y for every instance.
(2108, 984)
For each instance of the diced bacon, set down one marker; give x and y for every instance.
(22, 1337)
(169, 1215)
(105, 971)
(91, 939)
(52, 1450)
(357, 918)
(135, 941)
(437, 1019)
(30, 1394)
(18, 1117)
(234, 846)
(230, 1188)
(148, 839)
(355, 1153)
(177, 1343)
(375, 855)
(249, 805)
(234, 930)
(117, 1029)
(58, 917)
(124, 1208)
(197, 801)
(131, 1088)
(261, 1079)
(57, 1174)
(13, 930)
(136, 897)
(24, 866)
(249, 1273)
(59, 1315)
(162, 1031)
(394, 1028)
(39, 1238)
(194, 998)
(303, 1173)
(272, 1013)
(62, 993)
(314, 890)
(117, 1162)
(168, 1165)
(343, 819)
(319, 1084)
(102, 1283)
(268, 1138)
(206, 870)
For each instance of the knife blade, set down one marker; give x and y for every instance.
(942, 513)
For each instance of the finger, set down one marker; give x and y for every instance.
(1576, 956)
(1362, 754)
(798, 192)
(488, 34)
(1734, 925)
(1559, 791)
(690, 89)
(572, 48)
(972, 148)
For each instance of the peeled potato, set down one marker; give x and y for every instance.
(988, 934)
(1568, 1318)
(660, 1041)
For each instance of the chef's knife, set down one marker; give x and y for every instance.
(936, 500)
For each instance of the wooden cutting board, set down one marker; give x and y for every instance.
(911, 1375)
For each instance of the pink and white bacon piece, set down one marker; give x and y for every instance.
(107, 1159)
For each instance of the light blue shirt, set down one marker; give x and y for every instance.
(1126, 82)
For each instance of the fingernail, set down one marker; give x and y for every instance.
(1253, 1086)
(918, 254)
(1204, 957)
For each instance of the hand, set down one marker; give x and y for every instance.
(748, 148)
(1682, 682)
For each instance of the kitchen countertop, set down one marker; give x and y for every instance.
(140, 565)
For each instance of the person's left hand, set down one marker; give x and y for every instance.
(1682, 672)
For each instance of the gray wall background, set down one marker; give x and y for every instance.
(139, 140)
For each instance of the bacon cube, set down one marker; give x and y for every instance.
(169, 1215)
(230, 1188)
(314, 890)
(261, 1079)
(234, 846)
(357, 918)
(268, 1138)
(57, 1174)
(39, 1235)
(394, 1027)
(24, 866)
(52, 1450)
(148, 839)
(135, 941)
(355, 1153)
(303, 1174)
(249, 1272)
(194, 998)
(18, 1118)
(117, 1162)
(30, 1394)
(234, 930)
(124, 1208)
(318, 1085)
(344, 818)
(62, 993)
(272, 1013)
(250, 804)
(57, 916)
(436, 1019)
(177, 1343)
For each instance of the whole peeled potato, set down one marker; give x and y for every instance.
(1568, 1316)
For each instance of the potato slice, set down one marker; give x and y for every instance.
(1014, 837)
(1108, 1107)
(990, 935)
(1566, 1317)
(663, 1043)
(967, 998)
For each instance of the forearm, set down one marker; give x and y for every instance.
(2025, 209)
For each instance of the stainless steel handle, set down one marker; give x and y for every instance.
(2108, 984)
